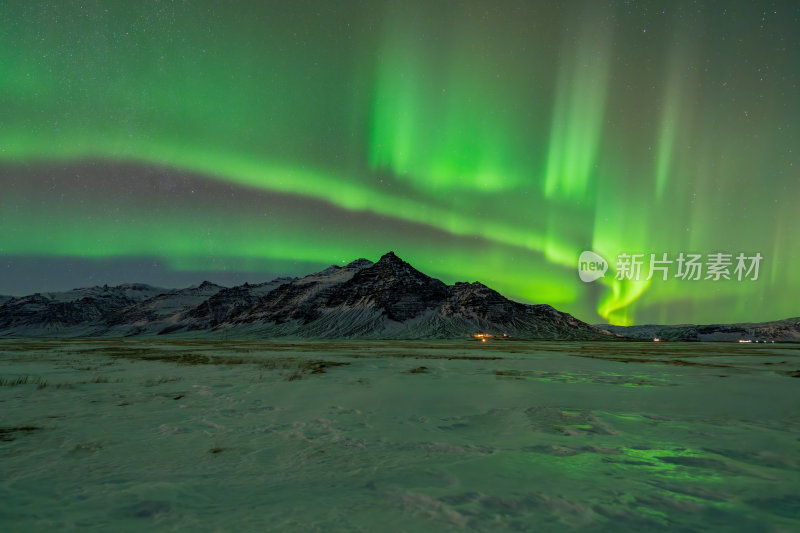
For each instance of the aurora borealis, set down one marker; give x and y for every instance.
(490, 141)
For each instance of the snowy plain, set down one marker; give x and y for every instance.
(216, 435)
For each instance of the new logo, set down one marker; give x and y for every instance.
(591, 266)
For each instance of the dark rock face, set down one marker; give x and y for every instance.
(387, 299)
(221, 307)
(393, 285)
(476, 299)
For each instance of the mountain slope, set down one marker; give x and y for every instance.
(386, 299)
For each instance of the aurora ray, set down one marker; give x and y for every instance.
(490, 142)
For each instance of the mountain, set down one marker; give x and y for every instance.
(787, 330)
(73, 313)
(133, 291)
(388, 299)
(156, 313)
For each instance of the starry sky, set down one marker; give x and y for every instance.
(171, 142)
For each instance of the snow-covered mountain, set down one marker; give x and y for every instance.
(387, 299)
(787, 330)
(72, 313)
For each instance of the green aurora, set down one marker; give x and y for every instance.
(490, 141)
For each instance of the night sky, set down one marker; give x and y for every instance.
(171, 142)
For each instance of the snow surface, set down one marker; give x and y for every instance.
(199, 435)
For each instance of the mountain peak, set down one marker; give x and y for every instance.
(468, 285)
(328, 271)
(389, 257)
(359, 264)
